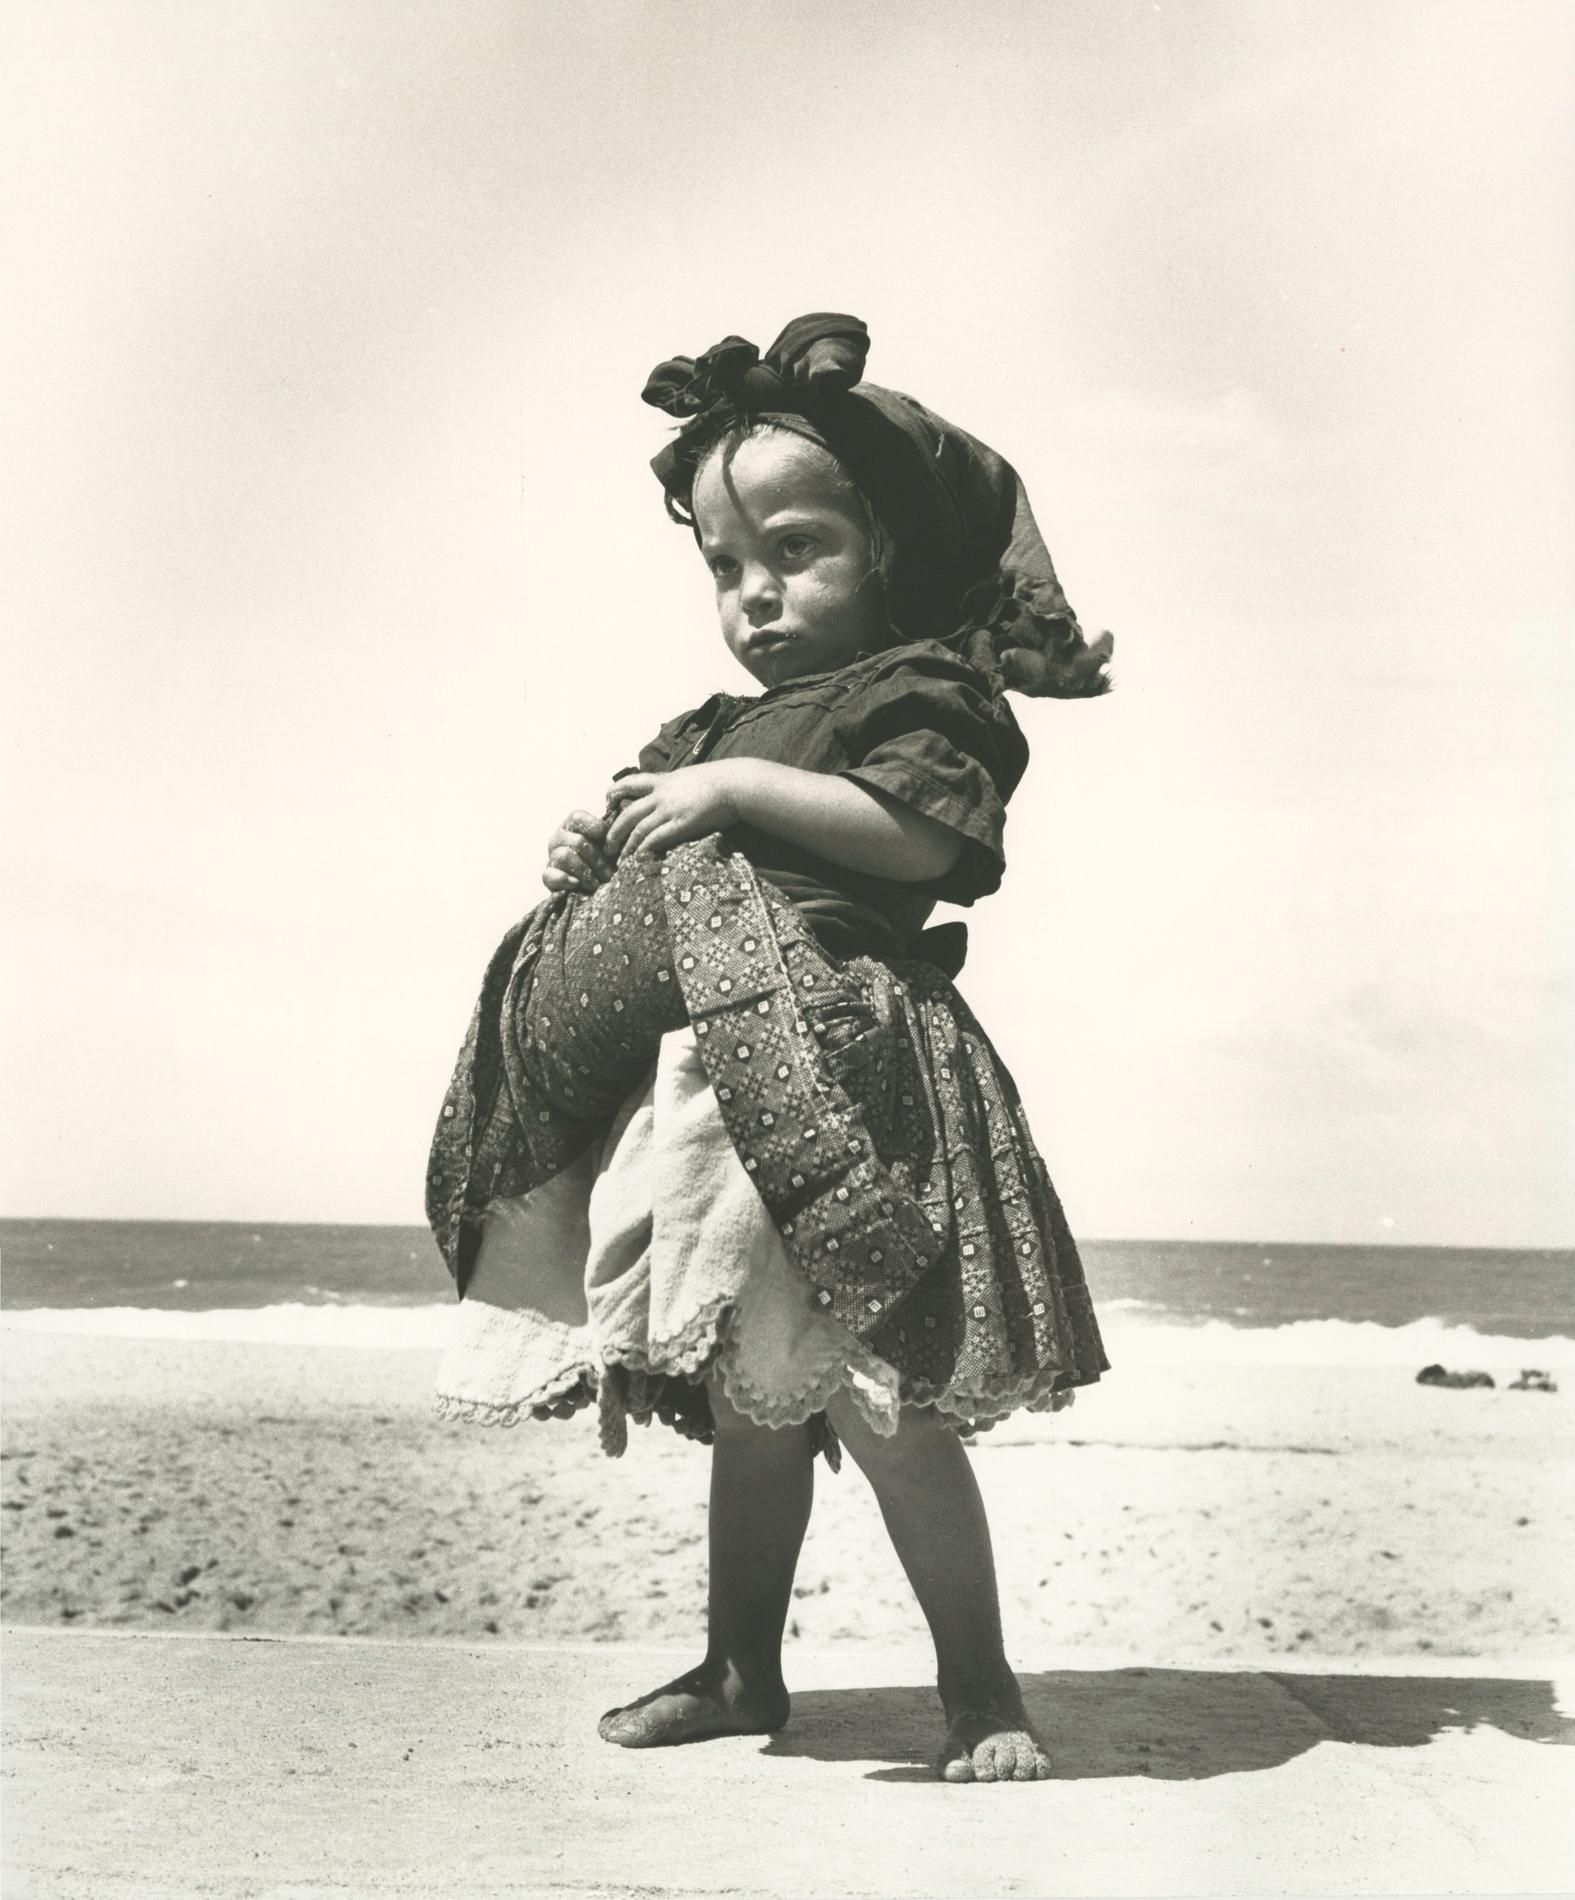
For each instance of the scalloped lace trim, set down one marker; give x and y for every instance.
(711, 1336)
(978, 1410)
(574, 1382)
(845, 1365)
(683, 1354)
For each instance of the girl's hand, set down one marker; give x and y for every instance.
(661, 809)
(577, 857)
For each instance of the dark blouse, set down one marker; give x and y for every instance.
(915, 723)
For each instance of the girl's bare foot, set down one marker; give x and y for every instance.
(986, 1746)
(992, 1741)
(697, 1707)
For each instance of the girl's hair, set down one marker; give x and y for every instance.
(726, 433)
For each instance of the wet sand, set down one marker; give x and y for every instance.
(1173, 1513)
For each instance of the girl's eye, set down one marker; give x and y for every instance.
(797, 547)
(724, 567)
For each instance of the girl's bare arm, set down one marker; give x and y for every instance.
(835, 818)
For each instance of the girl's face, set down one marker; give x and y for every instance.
(785, 538)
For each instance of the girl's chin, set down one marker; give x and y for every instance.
(786, 660)
(774, 662)
(770, 664)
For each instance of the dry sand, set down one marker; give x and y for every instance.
(1173, 1514)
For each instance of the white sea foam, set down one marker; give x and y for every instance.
(1333, 1342)
(1131, 1340)
(376, 1327)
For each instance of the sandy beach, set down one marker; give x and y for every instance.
(1187, 1514)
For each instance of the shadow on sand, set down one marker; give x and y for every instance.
(1179, 1724)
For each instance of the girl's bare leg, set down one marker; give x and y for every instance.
(934, 1514)
(762, 1486)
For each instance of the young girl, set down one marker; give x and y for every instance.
(724, 1145)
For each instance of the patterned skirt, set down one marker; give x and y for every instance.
(884, 1186)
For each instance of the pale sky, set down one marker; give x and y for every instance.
(334, 574)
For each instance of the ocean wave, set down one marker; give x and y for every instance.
(1332, 1342)
(387, 1328)
(1132, 1341)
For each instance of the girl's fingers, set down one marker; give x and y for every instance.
(579, 828)
(624, 824)
(556, 880)
(587, 835)
(579, 864)
(631, 785)
(566, 858)
(657, 836)
(639, 838)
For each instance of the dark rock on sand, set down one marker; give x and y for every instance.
(1456, 1381)
(1531, 1380)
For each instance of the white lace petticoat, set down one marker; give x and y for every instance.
(654, 1252)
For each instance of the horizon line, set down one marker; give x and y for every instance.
(1093, 1240)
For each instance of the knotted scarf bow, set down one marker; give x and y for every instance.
(819, 355)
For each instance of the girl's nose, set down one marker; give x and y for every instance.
(759, 594)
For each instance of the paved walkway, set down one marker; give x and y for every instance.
(255, 1769)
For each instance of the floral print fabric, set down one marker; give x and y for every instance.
(881, 1131)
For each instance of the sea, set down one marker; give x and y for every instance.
(1236, 1302)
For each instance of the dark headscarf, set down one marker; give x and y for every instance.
(960, 556)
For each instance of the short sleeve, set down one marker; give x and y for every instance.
(927, 731)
